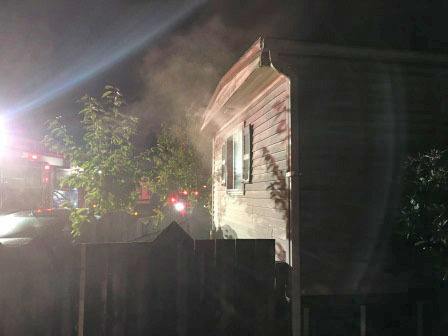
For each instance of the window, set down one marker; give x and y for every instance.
(223, 164)
(236, 159)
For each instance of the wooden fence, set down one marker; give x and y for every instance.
(38, 290)
(172, 286)
(400, 314)
(177, 286)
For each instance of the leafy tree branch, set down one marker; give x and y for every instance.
(424, 215)
(104, 161)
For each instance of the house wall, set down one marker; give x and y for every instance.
(258, 213)
(358, 120)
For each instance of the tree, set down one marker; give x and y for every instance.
(424, 215)
(177, 165)
(104, 160)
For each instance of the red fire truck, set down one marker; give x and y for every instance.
(29, 175)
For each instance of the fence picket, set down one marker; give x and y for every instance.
(138, 279)
(205, 310)
(95, 299)
(225, 283)
(246, 291)
(117, 289)
(263, 265)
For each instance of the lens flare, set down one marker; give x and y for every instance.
(135, 31)
(4, 140)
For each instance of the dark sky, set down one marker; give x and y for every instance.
(168, 55)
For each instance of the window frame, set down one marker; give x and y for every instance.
(244, 131)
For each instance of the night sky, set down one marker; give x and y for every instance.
(167, 56)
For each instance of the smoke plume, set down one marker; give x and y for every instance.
(180, 75)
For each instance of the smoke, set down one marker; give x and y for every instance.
(179, 77)
(180, 74)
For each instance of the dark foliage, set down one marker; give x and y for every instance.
(424, 215)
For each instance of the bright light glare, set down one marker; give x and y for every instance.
(135, 30)
(3, 136)
(9, 224)
(179, 206)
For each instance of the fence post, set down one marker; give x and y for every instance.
(306, 321)
(363, 320)
(2, 290)
(82, 290)
(419, 318)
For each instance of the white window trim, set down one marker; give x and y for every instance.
(236, 191)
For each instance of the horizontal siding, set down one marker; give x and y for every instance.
(269, 142)
(274, 126)
(272, 223)
(268, 213)
(273, 145)
(258, 186)
(272, 149)
(261, 110)
(260, 162)
(263, 177)
(271, 105)
(257, 194)
(254, 214)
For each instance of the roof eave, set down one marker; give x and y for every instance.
(252, 59)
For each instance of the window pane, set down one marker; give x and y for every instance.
(229, 163)
(247, 140)
(247, 144)
(223, 164)
(238, 160)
